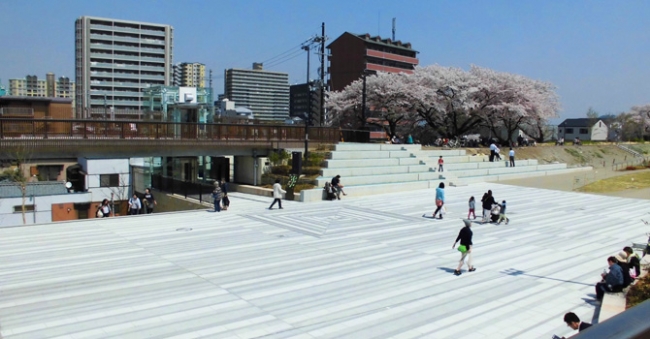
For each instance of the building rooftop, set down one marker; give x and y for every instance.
(37, 189)
(122, 21)
(580, 122)
(377, 40)
(367, 267)
(28, 98)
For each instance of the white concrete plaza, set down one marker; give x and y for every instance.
(368, 267)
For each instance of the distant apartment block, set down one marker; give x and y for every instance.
(50, 87)
(263, 92)
(32, 86)
(352, 55)
(116, 60)
(189, 74)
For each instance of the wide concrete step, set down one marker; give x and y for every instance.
(455, 159)
(539, 173)
(437, 153)
(350, 155)
(351, 146)
(362, 163)
(318, 194)
(477, 165)
(373, 179)
(357, 171)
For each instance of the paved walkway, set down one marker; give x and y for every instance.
(368, 267)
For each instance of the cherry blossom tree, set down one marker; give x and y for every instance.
(451, 101)
(643, 112)
(444, 98)
(511, 101)
(387, 102)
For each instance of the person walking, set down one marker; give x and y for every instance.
(134, 205)
(277, 194)
(472, 207)
(502, 214)
(465, 248)
(440, 164)
(217, 195)
(440, 199)
(511, 155)
(149, 201)
(493, 149)
(225, 201)
(105, 209)
(487, 202)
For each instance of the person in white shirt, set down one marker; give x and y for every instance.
(277, 194)
(134, 205)
(493, 149)
(511, 154)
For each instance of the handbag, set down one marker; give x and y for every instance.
(100, 214)
(462, 248)
(438, 202)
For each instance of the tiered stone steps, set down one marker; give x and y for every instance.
(379, 168)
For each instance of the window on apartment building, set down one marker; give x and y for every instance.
(584, 131)
(109, 180)
(569, 130)
(49, 172)
(19, 208)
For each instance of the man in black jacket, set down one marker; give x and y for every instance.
(465, 237)
(572, 320)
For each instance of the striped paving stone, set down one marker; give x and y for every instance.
(367, 267)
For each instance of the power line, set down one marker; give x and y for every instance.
(287, 58)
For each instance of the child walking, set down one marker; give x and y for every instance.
(440, 163)
(502, 214)
(472, 206)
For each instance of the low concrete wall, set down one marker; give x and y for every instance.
(171, 203)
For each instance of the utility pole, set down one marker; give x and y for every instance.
(363, 102)
(308, 115)
(322, 76)
(394, 29)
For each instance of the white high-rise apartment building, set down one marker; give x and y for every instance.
(116, 60)
(263, 92)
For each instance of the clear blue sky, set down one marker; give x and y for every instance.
(596, 52)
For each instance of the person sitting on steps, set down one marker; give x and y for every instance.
(336, 184)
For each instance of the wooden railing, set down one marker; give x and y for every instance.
(16, 128)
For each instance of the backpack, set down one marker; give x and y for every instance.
(99, 213)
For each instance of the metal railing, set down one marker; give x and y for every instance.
(631, 324)
(138, 130)
(19, 111)
(194, 190)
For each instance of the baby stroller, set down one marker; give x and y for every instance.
(329, 191)
(494, 213)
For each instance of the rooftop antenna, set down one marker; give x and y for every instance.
(394, 29)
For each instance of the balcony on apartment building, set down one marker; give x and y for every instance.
(391, 56)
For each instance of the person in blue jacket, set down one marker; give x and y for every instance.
(440, 199)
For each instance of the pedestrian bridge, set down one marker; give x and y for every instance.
(46, 138)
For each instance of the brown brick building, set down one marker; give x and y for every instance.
(35, 107)
(350, 55)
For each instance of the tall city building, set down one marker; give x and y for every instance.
(116, 60)
(263, 92)
(50, 87)
(189, 74)
(352, 55)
